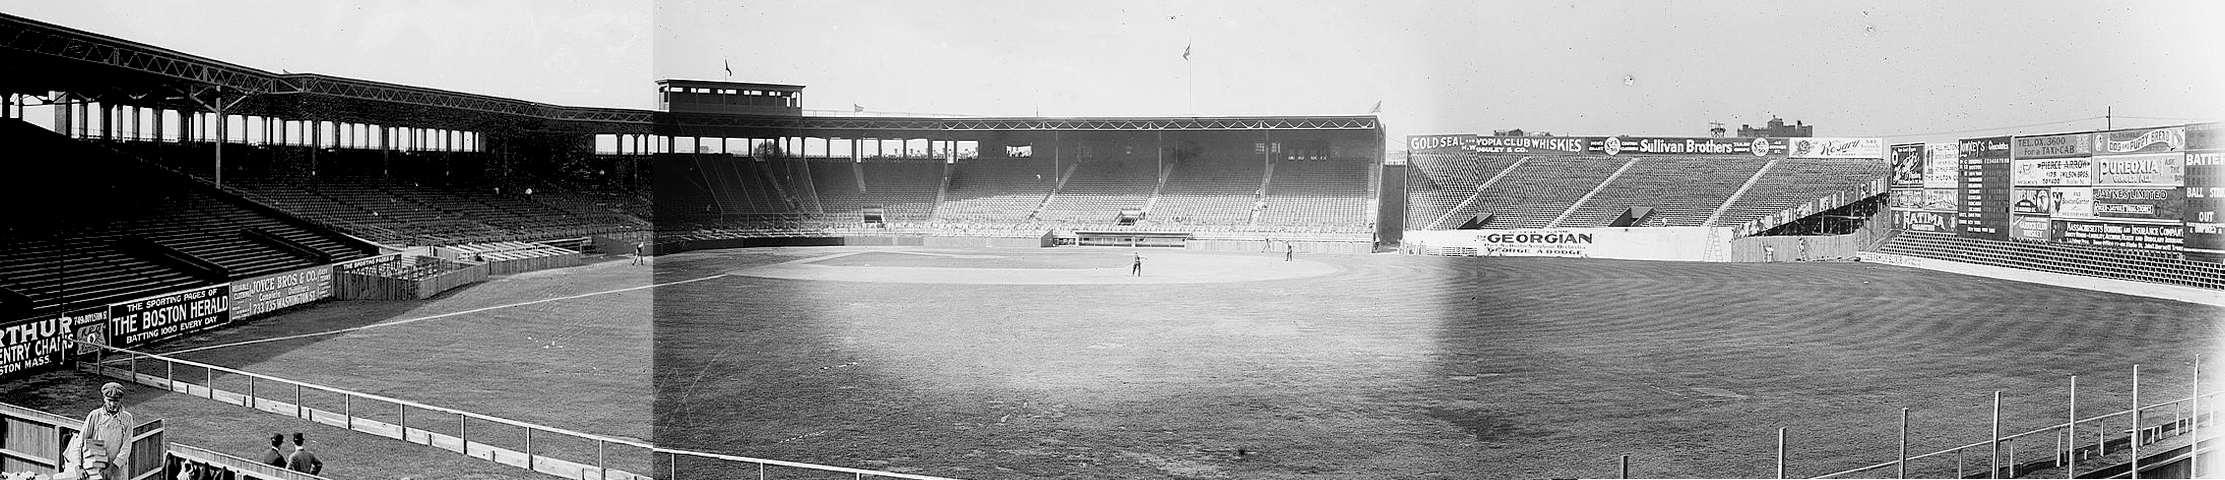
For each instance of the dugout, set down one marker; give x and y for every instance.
(1132, 239)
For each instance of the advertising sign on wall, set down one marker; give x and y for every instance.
(1483, 144)
(2076, 202)
(2147, 236)
(1941, 168)
(34, 344)
(255, 296)
(2205, 136)
(1908, 165)
(2140, 203)
(1691, 146)
(2031, 201)
(1983, 148)
(2030, 229)
(1819, 147)
(2144, 140)
(1908, 199)
(2053, 146)
(164, 317)
(1921, 221)
(2156, 169)
(2054, 171)
(1533, 243)
(1939, 199)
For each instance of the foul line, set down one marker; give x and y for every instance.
(444, 315)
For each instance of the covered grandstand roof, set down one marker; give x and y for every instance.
(118, 71)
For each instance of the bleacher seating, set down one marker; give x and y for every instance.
(1683, 191)
(1210, 192)
(1096, 192)
(1444, 181)
(94, 213)
(1316, 193)
(1543, 187)
(1797, 180)
(996, 190)
(905, 190)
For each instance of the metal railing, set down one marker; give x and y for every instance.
(510, 442)
(526, 445)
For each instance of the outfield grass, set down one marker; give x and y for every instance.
(573, 363)
(1406, 367)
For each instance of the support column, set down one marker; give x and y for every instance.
(107, 122)
(221, 128)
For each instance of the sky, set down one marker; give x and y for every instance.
(1908, 71)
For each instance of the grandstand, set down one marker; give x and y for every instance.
(135, 230)
(1201, 178)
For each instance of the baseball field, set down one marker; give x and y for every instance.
(1024, 363)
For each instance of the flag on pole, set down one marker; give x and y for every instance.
(1186, 52)
(1378, 107)
(729, 67)
(856, 108)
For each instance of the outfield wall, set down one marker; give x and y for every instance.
(1650, 243)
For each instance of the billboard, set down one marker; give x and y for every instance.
(2030, 229)
(2140, 140)
(2154, 169)
(2073, 201)
(1941, 168)
(32, 344)
(1983, 148)
(1692, 146)
(2205, 136)
(1533, 243)
(1908, 165)
(2139, 203)
(168, 316)
(1819, 147)
(1939, 199)
(2053, 171)
(255, 296)
(1484, 144)
(2031, 201)
(1617, 145)
(2144, 236)
(2053, 146)
(1908, 199)
(1928, 222)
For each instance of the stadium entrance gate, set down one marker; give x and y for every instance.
(1131, 239)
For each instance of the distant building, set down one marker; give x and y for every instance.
(1778, 128)
(1519, 133)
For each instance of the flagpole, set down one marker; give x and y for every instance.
(1193, 73)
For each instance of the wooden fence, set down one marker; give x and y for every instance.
(32, 441)
(405, 277)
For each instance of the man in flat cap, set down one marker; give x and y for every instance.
(107, 436)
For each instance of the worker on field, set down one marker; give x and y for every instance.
(1137, 269)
